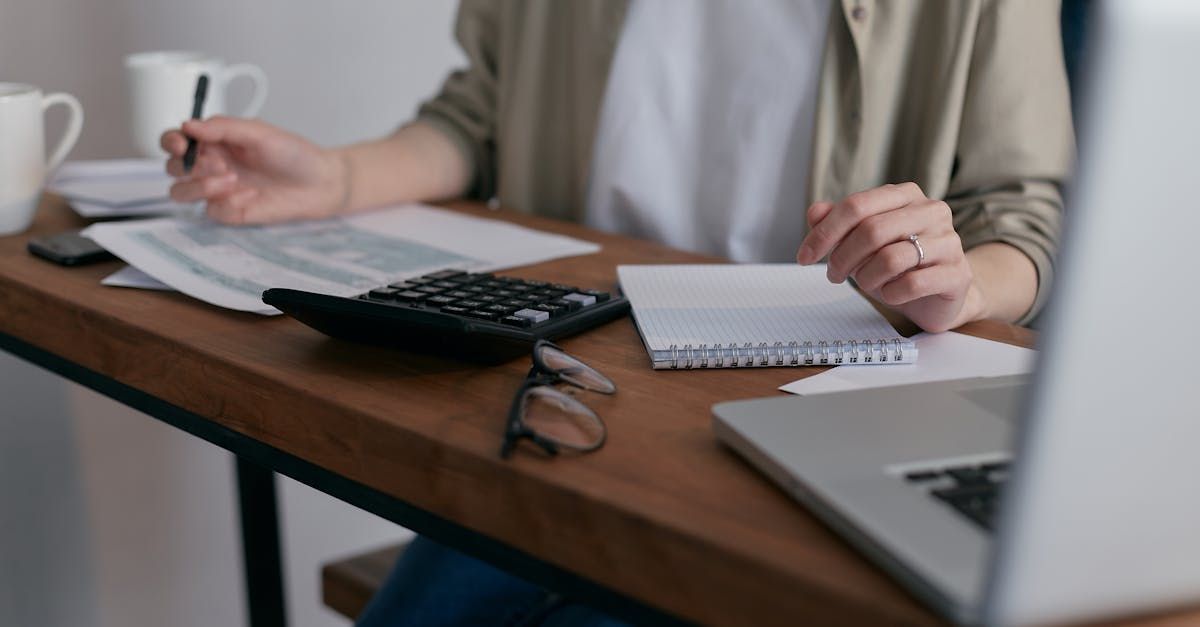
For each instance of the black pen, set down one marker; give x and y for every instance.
(189, 157)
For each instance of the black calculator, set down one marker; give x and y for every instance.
(478, 317)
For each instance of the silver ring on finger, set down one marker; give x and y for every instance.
(916, 242)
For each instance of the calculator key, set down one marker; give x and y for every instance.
(520, 287)
(583, 299)
(515, 321)
(403, 285)
(441, 300)
(383, 293)
(473, 288)
(600, 296)
(456, 310)
(494, 284)
(473, 304)
(483, 315)
(444, 274)
(504, 293)
(569, 305)
(549, 293)
(536, 284)
(486, 298)
(411, 296)
(519, 303)
(429, 289)
(420, 281)
(535, 315)
(458, 294)
(450, 285)
(470, 278)
(563, 288)
(500, 309)
(554, 310)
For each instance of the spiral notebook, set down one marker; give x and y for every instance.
(736, 316)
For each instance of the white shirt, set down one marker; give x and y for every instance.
(705, 132)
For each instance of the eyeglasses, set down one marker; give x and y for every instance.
(551, 417)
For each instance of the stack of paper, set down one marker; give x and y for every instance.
(113, 188)
(231, 266)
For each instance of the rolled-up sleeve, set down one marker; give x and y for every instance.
(465, 107)
(1016, 144)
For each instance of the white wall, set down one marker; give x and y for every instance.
(108, 517)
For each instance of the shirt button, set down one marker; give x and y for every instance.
(858, 13)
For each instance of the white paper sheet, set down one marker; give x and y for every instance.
(89, 168)
(93, 211)
(231, 266)
(130, 276)
(116, 191)
(116, 188)
(944, 357)
(737, 303)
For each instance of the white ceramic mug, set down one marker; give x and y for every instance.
(162, 86)
(23, 165)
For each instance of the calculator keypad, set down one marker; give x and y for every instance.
(483, 296)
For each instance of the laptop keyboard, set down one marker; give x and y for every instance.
(972, 490)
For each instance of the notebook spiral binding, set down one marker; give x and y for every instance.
(750, 355)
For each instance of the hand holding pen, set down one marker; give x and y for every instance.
(247, 171)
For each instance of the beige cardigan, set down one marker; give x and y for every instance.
(967, 98)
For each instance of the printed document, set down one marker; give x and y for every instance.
(231, 266)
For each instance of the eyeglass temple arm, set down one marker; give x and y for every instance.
(513, 436)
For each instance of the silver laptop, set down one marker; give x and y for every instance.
(1075, 494)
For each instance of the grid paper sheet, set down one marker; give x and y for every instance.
(680, 305)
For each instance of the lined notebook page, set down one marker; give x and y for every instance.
(738, 304)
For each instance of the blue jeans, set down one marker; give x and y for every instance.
(433, 586)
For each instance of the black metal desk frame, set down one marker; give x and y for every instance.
(256, 466)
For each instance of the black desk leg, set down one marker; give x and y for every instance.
(261, 553)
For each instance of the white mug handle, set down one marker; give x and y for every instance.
(256, 76)
(74, 126)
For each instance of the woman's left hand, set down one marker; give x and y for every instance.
(866, 236)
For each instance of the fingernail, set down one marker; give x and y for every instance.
(806, 254)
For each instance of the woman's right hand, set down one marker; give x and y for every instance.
(250, 172)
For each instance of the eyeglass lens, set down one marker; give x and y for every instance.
(561, 418)
(574, 370)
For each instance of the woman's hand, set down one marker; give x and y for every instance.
(251, 172)
(866, 236)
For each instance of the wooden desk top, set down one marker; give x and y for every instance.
(663, 513)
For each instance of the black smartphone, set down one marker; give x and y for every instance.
(68, 249)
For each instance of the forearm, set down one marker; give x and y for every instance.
(417, 163)
(1004, 285)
